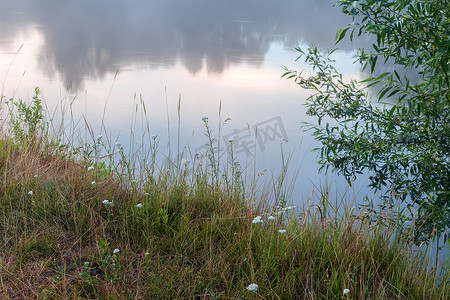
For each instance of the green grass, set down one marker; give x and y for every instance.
(192, 236)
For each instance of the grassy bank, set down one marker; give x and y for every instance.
(76, 227)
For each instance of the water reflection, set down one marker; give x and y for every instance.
(218, 42)
(92, 38)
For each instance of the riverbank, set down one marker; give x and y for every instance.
(78, 225)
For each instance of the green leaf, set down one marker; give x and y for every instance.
(340, 34)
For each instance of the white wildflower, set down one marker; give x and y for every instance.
(90, 168)
(30, 193)
(139, 205)
(282, 231)
(35, 176)
(154, 136)
(204, 118)
(252, 287)
(93, 182)
(230, 140)
(346, 291)
(257, 220)
(116, 251)
(106, 202)
(272, 218)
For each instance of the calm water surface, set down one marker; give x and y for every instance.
(104, 57)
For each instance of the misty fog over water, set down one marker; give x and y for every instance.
(110, 55)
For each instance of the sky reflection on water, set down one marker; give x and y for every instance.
(85, 39)
(206, 52)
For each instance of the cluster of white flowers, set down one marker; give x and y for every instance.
(346, 291)
(107, 202)
(116, 251)
(257, 220)
(204, 119)
(90, 168)
(252, 287)
(272, 218)
(139, 205)
(93, 182)
(30, 193)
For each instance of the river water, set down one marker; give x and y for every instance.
(184, 59)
